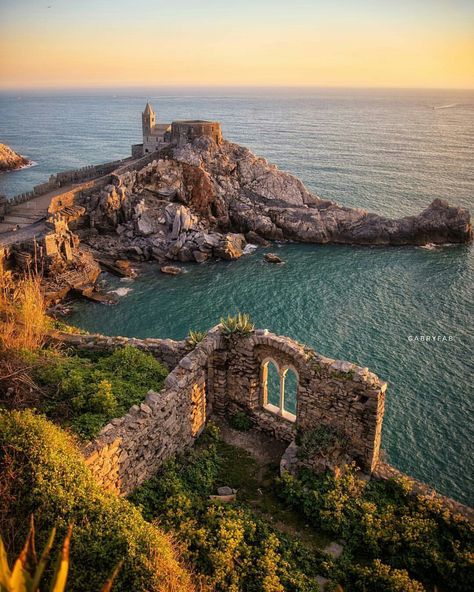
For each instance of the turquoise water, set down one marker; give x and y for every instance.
(390, 152)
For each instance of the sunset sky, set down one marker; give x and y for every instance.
(361, 43)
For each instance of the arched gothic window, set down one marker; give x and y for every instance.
(279, 389)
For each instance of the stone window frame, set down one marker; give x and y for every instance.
(282, 371)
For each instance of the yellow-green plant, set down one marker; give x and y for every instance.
(22, 579)
(195, 337)
(240, 324)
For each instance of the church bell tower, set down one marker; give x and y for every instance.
(148, 120)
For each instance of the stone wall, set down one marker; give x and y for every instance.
(137, 150)
(66, 178)
(86, 181)
(73, 196)
(223, 375)
(130, 450)
(167, 351)
(336, 394)
(183, 132)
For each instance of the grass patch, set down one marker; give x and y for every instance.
(86, 390)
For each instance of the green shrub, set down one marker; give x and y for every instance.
(241, 421)
(59, 325)
(52, 481)
(320, 440)
(381, 577)
(86, 391)
(383, 520)
(232, 549)
(241, 324)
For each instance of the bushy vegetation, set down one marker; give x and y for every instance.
(240, 421)
(320, 440)
(42, 472)
(86, 391)
(383, 520)
(241, 324)
(229, 545)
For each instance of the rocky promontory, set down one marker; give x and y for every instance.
(10, 160)
(199, 201)
(206, 200)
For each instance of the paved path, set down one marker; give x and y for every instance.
(25, 233)
(31, 211)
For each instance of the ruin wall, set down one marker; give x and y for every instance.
(223, 375)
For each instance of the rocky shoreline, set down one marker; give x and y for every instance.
(11, 160)
(208, 200)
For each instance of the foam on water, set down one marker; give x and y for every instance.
(120, 291)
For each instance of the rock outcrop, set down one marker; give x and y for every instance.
(10, 160)
(64, 263)
(202, 199)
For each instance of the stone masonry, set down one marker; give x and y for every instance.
(222, 375)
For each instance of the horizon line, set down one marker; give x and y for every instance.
(226, 86)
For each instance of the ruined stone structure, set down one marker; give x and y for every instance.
(226, 374)
(158, 135)
(223, 375)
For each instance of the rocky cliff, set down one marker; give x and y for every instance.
(10, 160)
(205, 200)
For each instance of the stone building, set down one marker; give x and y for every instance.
(183, 132)
(155, 135)
(179, 133)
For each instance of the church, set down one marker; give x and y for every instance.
(178, 133)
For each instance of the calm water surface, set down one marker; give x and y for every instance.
(392, 152)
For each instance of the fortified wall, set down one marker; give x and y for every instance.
(66, 178)
(226, 374)
(183, 132)
(73, 196)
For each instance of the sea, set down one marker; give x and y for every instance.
(405, 312)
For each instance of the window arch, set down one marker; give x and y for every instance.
(279, 389)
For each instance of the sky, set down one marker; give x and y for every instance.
(323, 43)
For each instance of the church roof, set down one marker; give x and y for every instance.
(148, 109)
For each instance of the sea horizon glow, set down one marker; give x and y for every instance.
(351, 44)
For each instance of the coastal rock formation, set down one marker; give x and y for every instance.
(10, 160)
(65, 265)
(200, 200)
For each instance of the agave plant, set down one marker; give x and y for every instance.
(240, 324)
(21, 579)
(195, 337)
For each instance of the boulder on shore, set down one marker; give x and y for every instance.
(11, 160)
